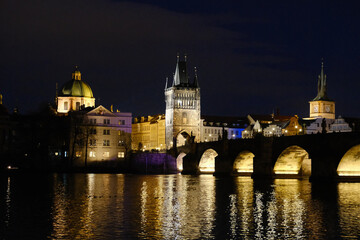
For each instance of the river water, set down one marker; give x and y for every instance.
(118, 206)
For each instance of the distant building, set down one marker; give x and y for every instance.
(319, 125)
(5, 132)
(272, 126)
(321, 106)
(148, 133)
(99, 135)
(340, 125)
(182, 112)
(74, 95)
(213, 127)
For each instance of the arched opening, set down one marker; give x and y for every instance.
(181, 138)
(293, 160)
(350, 163)
(207, 161)
(179, 162)
(244, 163)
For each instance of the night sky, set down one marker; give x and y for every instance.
(252, 57)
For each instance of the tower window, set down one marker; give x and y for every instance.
(66, 105)
(184, 118)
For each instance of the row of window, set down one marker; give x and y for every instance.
(106, 121)
(93, 154)
(106, 143)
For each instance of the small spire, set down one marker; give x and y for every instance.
(166, 82)
(76, 75)
(196, 81)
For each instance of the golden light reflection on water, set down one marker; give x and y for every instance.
(349, 208)
(110, 206)
(176, 207)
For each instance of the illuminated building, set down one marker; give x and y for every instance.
(340, 125)
(321, 106)
(75, 94)
(182, 112)
(101, 136)
(148, 133)
(272, 126)
(212, 127)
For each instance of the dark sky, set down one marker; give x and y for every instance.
(252, 56)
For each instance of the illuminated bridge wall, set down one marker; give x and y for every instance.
(318, 156)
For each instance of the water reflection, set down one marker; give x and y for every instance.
(178, 207)
(349, 210)
(110, 206)
(7, 203)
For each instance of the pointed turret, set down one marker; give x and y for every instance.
(322, 86)
(196, 81)
(181, 77)
(166, 83)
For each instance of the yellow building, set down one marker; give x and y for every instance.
(148, 133)
(293, 127)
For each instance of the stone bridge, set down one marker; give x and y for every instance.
(317, 156)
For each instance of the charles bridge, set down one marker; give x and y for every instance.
(316, 156)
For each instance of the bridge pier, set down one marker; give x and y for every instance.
(190, 164)
(223, 166)
(323, 167)
(263, 166)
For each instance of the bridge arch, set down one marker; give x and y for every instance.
(350, 163)
(179, 161)
(207, 161)
(181, 137)
(244, 163)
(294, 160)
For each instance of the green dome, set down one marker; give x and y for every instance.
(76, 87)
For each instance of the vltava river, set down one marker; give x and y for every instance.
(116, 206)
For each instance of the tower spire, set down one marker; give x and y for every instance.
(322, 85)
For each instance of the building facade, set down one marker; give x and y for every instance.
(148, 133)
(182, 112)
(100, 136)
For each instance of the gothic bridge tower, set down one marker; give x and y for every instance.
(182, 115)
(321, 106)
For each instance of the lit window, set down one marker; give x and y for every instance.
(65, 154)
(78, 154)
(92, 142)
(121, 154)
(106, 154)
(92, 154)
(106, 143)
(56, 153)
(66, 105)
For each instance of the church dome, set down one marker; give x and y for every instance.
(76, 87)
